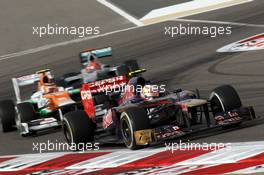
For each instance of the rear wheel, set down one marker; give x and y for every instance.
(224, 98)
(78, 128)
(25, 113)
(7, 115)
(131, 120)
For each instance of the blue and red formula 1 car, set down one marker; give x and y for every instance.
(150, 114)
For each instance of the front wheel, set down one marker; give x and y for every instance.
(224, 98)
(131, 120)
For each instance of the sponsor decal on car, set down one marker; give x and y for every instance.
(106, 81)
(249, 44)
(86, 95)
(108, 84)
(108, 119)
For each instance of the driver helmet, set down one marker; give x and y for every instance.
(48, 79)
(46, 83)
(92, 58)
(93, 64)
(149, 92)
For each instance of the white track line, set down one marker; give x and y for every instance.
(121, 12)
(188, 7)
(219, 22)
(50, 46)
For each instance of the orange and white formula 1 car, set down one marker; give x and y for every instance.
(42, 110)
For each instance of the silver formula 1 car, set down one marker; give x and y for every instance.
(92, 70)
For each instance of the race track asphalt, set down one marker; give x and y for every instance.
(186, 62)
(18, 19)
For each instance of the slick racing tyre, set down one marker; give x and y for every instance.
(132, 65)
(25, 113)
(7, 115)
(131, 120)
(78, 128)
(224, 98)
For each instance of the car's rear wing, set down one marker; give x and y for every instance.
(23, 81)
(88, 90)
(99, 53)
